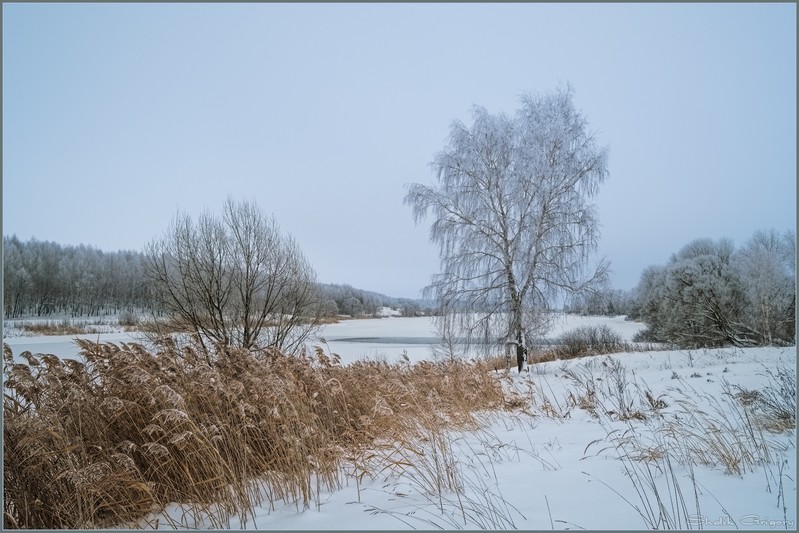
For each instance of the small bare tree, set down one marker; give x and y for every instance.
(512, 218)
(235, 280)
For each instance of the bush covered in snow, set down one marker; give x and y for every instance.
(710, 295)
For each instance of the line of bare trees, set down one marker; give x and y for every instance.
(232, 279)
(41, 278)
(606, 301)
(348, 300)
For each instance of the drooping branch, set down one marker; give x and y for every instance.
(511, 214)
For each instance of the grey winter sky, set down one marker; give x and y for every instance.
(117, 115)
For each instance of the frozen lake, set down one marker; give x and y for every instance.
(389, 338)
(63, 345)
(375, 338)
(380, 338)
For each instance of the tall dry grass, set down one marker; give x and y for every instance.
(447, 479)
(104, 441)
(653, 437)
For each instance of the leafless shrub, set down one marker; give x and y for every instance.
(586, 341)
(128, 319)
(590, 340)
(234, 280)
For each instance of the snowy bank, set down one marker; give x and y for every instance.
(630, 441)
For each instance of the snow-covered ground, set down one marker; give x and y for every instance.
(96, 324)
(561, 467)
(104, 328)
(565, 461)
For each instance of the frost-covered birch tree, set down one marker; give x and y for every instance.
(513, 218)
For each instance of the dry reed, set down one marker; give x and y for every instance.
(104, 441)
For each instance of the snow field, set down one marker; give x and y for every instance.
(672, 439)
(584, 448)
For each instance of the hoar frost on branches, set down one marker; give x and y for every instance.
(710, 295)
(513, 219)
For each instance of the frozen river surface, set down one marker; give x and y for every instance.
(374, 338)
(390, 338)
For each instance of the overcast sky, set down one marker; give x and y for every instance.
(115, 116)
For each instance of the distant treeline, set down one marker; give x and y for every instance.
(42, 278)
(347, 300)
(610, 302)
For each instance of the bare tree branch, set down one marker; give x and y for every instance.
(236, 280)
